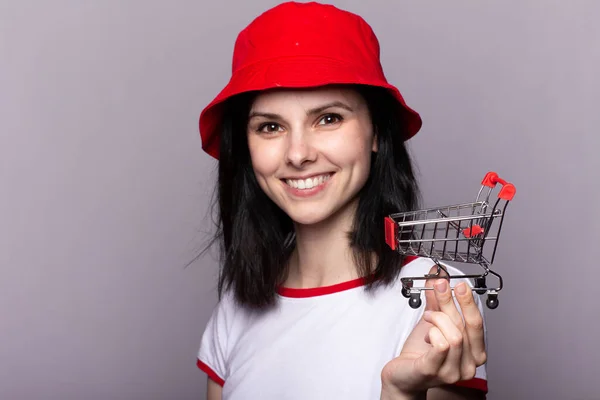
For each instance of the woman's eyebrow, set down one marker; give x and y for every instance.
(264, 115)
(312, 111)
(320, 109)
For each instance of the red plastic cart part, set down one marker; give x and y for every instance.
(508, 189)
(474, 231)
(391, 229)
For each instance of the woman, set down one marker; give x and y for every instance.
(310, 141)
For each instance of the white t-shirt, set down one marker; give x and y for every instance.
(323, 343)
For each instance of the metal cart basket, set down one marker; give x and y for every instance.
(463, 233)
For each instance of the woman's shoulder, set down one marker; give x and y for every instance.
(233, 317)
(416, 265)
(226, 309)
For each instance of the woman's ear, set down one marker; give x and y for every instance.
(374, 145)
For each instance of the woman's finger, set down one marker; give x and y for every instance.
(468, 365)
(445, 302)
(432, 361)
(430, 298)
(473, 321)
(451, 369)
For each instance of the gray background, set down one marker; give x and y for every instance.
(104, 187)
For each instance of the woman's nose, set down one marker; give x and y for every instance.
(300, 149)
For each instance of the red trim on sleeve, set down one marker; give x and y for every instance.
(475, 383)
(210, 372)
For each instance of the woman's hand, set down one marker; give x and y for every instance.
(443, 348)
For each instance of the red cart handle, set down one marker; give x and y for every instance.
(508, 189)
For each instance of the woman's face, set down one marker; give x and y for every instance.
(311, 149)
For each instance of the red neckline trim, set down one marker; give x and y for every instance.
(298, 293)
(320, 291)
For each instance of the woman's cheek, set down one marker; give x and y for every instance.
(347, 149)
(266, 155)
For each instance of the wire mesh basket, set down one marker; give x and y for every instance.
(463, 233)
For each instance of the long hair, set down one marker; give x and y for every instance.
(256, 237)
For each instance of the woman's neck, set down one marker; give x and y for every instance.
(323, 256)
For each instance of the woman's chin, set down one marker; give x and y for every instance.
(308, 221)
(325, 215)
(309, 218)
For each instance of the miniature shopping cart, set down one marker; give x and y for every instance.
(464, 233)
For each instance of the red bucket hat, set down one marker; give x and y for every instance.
(301, 45)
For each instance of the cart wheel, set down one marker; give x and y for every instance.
(406, 285)
(480, 286)
(492, 301)
(415, 300)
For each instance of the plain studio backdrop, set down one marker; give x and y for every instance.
(104, 189)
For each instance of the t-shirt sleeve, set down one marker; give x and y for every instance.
(480, 380)
(213, 355)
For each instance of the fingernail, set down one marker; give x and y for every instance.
(427, 315)
(461, 288)
(441, 286)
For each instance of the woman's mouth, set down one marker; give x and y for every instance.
(308, 183)
(307, 187)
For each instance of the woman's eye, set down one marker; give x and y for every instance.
(269, 128)
(330, 119)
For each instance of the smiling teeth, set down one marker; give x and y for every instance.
(307, 183)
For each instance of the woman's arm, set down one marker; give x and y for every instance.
(213, 390)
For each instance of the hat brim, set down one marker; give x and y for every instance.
(293, 73)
